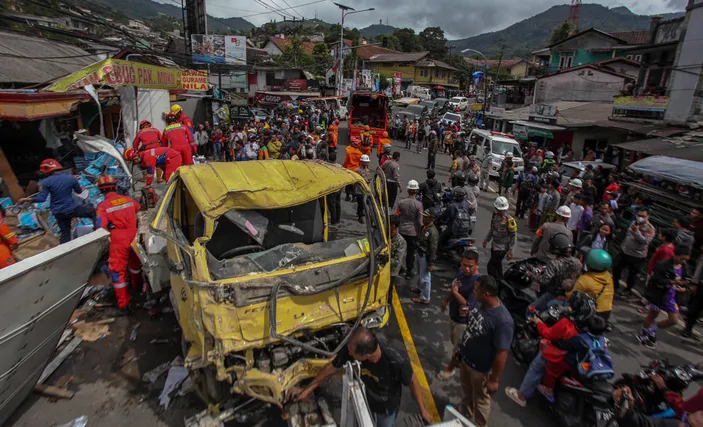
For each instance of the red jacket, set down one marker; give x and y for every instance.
(175, 135)
(662, 253)
(185, 121)
(611, 188)
(117, 212)
(564, 329)
(146, 137)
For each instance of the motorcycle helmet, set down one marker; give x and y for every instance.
(598, 260)
(583, 307)
(548, 155)
(472, 179)
(413, 185)
(49, 165)
(365, 158)
(387, 148)
(458, 194)
(459, 179)
(561, 244)
(501, 203)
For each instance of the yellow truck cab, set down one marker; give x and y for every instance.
(264, 291)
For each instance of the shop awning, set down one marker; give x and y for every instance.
(686, 172)
(115, 72)
(440, 87)
(538, 125)
(666, 147)
(27, 105)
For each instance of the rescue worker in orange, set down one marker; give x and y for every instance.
(118, 215)
(366, 140)
(8, 242)
(352, 161)
(333, 137)
(150, 159)
(183, 119)
(381, 143)
(177, 137)
(147, 137)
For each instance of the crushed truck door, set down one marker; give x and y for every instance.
(37, 297)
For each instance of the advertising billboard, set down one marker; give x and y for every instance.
(217, 49)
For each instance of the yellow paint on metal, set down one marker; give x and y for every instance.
(427, 398)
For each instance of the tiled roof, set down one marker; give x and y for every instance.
(506, 63)
(366, 52)
(433, 63)
(633, 37)
(399, 57)
(282, 44)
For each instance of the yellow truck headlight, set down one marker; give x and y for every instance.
(374, 319)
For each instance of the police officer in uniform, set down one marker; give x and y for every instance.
(502, 233)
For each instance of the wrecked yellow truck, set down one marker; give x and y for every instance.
(264, 290)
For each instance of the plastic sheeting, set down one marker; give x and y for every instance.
(98, 144)
(686, 172)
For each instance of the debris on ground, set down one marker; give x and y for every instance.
(53, 391)
(58, 360)
(133, 334)
(81, 421)
(91, 331)
(177, 383)
(151, 376)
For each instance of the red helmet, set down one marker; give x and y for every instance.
(171, 118)
(144, 123)
(50, 165)
(130, 154)
(106, 182)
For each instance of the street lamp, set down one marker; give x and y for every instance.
(346, 10)
(485, 81)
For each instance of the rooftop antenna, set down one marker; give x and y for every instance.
(575, 13)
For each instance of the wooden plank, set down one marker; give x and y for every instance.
(9, 178)
(52, 391)
(58, 360)
(97, 322)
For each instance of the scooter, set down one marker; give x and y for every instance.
(514, 289)
(649, 399)
(455, 247)
(578, 402)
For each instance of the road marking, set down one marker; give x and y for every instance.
(427, 398)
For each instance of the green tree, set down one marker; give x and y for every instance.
(562, 32)
(294, 55)
(433, 40)
(408, 40)
(321, 59)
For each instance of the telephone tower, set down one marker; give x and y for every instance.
(575, 12)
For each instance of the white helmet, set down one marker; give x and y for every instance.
(413, 185)
(564, 212)
(548, 155)
(576, 183)
(509, 154)
(501, 203)
(365, 158)
(534, 169)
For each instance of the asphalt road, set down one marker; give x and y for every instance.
(106, 374)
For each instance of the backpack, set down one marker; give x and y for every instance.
(597, 363)
(462, 222)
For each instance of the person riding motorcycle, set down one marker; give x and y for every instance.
(548, 162)
(387, 148)
(472, 190)
(431, 191)
(562, 268)
(457, 217)
(597, 281)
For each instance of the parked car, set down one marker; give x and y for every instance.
(452, 118)
(431, 107)
(420, 111)
(567, 169)
(459, 102)
(442, 105)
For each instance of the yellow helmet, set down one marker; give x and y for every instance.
(175, 109)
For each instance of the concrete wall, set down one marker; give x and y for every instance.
(684, 91)
(581, 135)
(578, 85)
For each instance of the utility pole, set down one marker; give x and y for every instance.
(500, 60)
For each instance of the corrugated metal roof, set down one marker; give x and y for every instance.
(366, 52)
(20, 61)
(399, 57)
(671, 147)
(633, 37)
(570, 114)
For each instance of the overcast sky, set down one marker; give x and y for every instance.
(458, 18)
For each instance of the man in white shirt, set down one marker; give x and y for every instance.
(576, 210)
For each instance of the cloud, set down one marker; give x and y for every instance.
(458, 18)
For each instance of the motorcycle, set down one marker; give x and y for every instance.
(579, 402)
(455, 247)
(649, 399)
(514, 289)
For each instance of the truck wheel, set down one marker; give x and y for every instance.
(205, 383)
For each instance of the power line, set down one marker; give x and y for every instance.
(286, 8)
(299, 14)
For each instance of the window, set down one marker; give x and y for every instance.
(436, 73)
(566, 60)
(638, 58)
(444, 74)
(424, 72)
(629, 57)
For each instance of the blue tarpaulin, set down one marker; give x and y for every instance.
(681, 171)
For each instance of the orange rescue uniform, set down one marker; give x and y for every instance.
(8, 239)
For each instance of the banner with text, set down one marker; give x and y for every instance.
(115, 72)
(217, 49)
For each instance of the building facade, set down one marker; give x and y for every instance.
(416, 68)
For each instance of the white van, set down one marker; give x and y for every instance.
(495, 145)
(419, 92)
